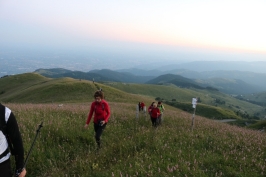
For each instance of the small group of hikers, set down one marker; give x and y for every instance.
(11, 137)
(156, 113)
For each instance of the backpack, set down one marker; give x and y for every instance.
(3, 127)
(161, 107)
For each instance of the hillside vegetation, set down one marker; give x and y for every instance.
(256, 98)
(229, 82)
(97, 75)
(131, 147)
(183, 97)
(34, 88)
(176, 80)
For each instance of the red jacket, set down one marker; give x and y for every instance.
(154, 112)
(101, 112)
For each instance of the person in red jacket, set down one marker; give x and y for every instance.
(142, 105)
(154, 113)
(101, 111)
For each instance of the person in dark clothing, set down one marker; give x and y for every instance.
(139, 106)
(10, 138)
(154, 113)
(101, 111)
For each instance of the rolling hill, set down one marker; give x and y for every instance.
(96, 75)
(172, 93)
(176, 80)
(122, 76)
(256, 98)
(251, 81)
(229, 86)
(59, 73)
(34, 88)
(230, 82)
(131, 147)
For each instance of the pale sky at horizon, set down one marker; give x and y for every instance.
(224, 26)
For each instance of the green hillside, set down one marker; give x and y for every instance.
(51, 72)
(97, 75)
(176, 80)
(208, 111)
(256, 98)
(133, 147)
(207, 97)
(59, 73)
(34, 88)
(229, 86)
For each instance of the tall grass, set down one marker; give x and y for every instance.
(132, 147)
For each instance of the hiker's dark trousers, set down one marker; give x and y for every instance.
(160, 119)
(154, 121)
(98, 132)
(5, 169)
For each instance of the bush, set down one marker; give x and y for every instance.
(157, 98)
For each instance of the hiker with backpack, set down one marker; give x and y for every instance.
(101, 111)
(154, 114)
(150, 107)
(10, 140)
(161, 107)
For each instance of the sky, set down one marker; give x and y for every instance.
(148, 29)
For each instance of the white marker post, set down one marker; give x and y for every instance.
(194, 105)
(144, 110)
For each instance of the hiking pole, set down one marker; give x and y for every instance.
(27, 158)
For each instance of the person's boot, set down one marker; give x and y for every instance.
(98, 145)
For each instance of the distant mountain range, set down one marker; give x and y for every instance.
(122, 76)
(240, 81)
(201, 66)
(230, 82)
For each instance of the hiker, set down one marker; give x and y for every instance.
(142, 105)
(150, 107)
(139, 106)
(10, 139)
(161, 107)
(154, 113)
(101, 111)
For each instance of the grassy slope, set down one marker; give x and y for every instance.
(185, 96)
(258, 97)
(134, 148)
(211, 112)
(130, 148)
(33, 88)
